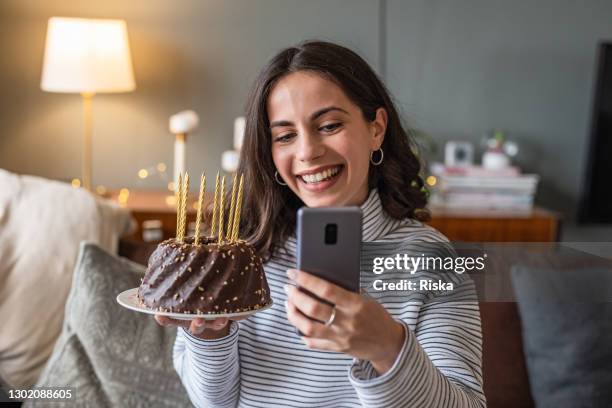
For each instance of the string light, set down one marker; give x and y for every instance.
(158, 169)
(170, 200)
(124, 195)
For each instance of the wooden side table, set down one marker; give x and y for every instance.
(536, 225)
(156, 205)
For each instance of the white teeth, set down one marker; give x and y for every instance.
(323, 175)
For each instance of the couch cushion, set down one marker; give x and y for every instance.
(567, 333)
(42, 223)
(112, 355)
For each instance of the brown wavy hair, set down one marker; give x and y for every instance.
(269, 209)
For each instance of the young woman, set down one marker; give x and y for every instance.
(321, 130)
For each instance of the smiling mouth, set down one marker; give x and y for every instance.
(321, 176)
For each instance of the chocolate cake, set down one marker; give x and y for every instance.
(204, 278)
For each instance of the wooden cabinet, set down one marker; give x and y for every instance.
(155, 205)
(537, 225)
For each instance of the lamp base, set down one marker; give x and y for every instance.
(87, 137)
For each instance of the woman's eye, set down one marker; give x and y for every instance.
(331, 127)
(284, 138)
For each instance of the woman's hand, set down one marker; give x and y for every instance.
(361, 327)
(201, 328)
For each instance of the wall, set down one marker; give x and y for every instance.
(456, 69)
(187, 54)
(459, 68)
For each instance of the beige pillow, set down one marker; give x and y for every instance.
(42, 223)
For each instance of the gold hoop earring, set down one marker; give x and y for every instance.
(379, 161)
(279, 180)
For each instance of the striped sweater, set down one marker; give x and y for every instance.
(263, 362)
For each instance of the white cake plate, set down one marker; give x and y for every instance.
(129, 300)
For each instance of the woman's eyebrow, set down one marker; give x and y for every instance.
(314, 116)
(325, 110)
(279, 123)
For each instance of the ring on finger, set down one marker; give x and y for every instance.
(332, 317)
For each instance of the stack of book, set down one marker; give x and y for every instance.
(474, 188)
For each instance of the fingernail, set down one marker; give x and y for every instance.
(199, 322)
(291, 274)
(286, 305)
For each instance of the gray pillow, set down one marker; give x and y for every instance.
(567, 334)
(111, 355)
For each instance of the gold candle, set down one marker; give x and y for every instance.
(213, 224)
(221, 203)
(200, 203)
(185, 193)
(238, 211)
(230, 218)
(179, 195)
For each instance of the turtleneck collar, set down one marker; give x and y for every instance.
(376, 223)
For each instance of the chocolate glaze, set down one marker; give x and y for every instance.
(206, 278)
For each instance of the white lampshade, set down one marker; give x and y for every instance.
(183, 122)
(87, 56)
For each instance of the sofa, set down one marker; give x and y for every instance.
(42, 223)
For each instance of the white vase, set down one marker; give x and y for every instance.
(495, 160)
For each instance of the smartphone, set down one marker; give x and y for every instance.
(329, 244)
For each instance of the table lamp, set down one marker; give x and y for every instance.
(87, 56)
(230, 159)
(180, 125)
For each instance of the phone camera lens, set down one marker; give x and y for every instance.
(331, 234)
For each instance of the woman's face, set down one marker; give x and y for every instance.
(321, 142)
